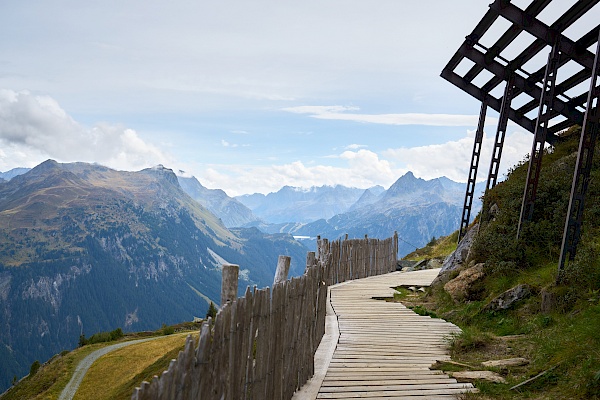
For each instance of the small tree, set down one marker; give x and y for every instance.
(34, 368)
(212, 311)
(82, 340)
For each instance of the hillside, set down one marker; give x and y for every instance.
(112, 376)
(554, 326)
(231, 212)
(84, 248)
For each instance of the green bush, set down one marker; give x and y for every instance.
(34, 368)
(167, 330)
(101, 337)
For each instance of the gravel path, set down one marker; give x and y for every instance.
(69, 391)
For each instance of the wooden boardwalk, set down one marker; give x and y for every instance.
(384, 349)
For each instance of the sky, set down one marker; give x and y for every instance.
(247, 96)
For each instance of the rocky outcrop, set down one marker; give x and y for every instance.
(459, 257)
(465, 285)
(509, 298)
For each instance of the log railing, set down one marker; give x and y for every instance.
(262, 345)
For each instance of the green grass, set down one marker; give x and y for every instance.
(52, 377)
(115, 375)
(438, 248)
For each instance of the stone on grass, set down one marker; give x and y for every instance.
(470, 376)
(506, 363)
(509, 298)
(462, 287)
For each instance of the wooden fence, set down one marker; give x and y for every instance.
(262, 345)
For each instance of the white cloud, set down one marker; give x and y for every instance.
(39, 127)
(452, 159)
(355, 146)
(339, 113)
(364, 168)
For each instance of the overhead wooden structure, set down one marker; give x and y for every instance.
(544, 77)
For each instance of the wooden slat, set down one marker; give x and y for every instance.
(385, 349)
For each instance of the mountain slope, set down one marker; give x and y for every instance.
(229, 210)
(84, 248)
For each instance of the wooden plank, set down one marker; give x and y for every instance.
(384, 349)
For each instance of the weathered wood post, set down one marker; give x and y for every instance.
(229, 283)
(311, 260)
(283, 268)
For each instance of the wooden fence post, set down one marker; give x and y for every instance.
(229, 283)
(283, 268)
(311, 260)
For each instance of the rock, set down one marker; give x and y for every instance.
(549, 302)
(459, 256)
(434, 263)
(509, 298)
(508, 362)
(463, 286)
(494, 210)
(402, 264)
(470, 376)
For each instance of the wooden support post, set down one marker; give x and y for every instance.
(539, 137)
(470, 192)
(583, 167)
(283, 268)
(229, 283)
(501, 132)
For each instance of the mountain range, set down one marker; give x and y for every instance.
(84, 249)
(294, 204)
(417, 209)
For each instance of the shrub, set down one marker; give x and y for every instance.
(34, 368)
(167, 330)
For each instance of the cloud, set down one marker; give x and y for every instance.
(452, 159)
(355, 146)
(339, 113)
(39, 127)
(364, 168)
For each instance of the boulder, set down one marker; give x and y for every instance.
(509, 298)
(459, 256)
(470, 376)
(463, 287)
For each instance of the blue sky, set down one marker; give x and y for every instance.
(247, 96)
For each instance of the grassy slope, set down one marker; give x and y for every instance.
(565, 341)
(113, 376)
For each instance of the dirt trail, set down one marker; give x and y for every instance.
(69, 391)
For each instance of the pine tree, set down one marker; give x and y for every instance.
(212, 311)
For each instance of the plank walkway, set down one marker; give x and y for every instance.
(384, 350)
